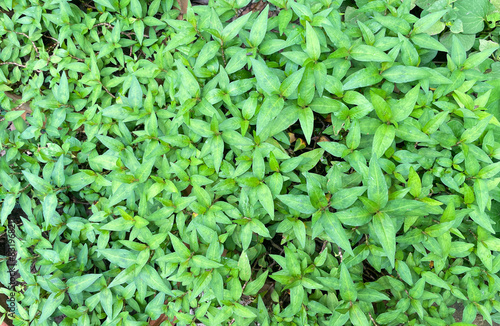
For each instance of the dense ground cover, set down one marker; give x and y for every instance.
(310, 163)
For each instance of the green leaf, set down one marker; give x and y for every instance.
(189, 83)
(254, 287)
(306, 119)
(244, 267)
(395, 24)
(406, 105)
(266, 199)
(433, 124)
(259, 28)
(120, 257)
(217, 151)
(270, 109)
(13, 115)
(77, 284)
(150, 276)
(386, 232)
(427, 21)
(124, 191)
(347, 290)
(404, 271)
(363, 52)
(382, 109)
(179, 247)
(489, 171)
(53, 301)
(344, 198)
(355, 216)
(58, 172)
(428, 42)
(482, 194)
(49, 207)
(333, 228)
(119, 224)
(238, 61)
(79, 180)
(435, 280)
(313, 48)
(63, 89)
(384, 136)
(265, 79)
(472, 15)
(37, 182)
(362, 78)
(135, 94)
(476, 59)
(377, 187)
(371, 295)
(357, 316)
(8, 205)
(405, 74)
(203, 262)
(472, 134)
(233, 28)
(291, 83)
(208, 52)
(300, 203)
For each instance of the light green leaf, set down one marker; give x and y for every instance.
(150, 276)
(77, 284)
(306, 119)
(363, 52)
(377, 187)
(386, 232)
(53, 301)
(406, 105)
(427, 21)
(384, 136)
(362, 78)
(135, 94)
(333, 228)
(120, 257)
(259, 28)
(8, 205)
(347, 290)
(291, 83)
(265, 79)
(266, 199)
(204, 262)
(405, 74)
(299, 203)
(435, 280)
(37, 182)
(233, 28)
(313, 48)
(344, 198)
(357, 316)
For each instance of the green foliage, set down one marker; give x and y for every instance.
(317, 163)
